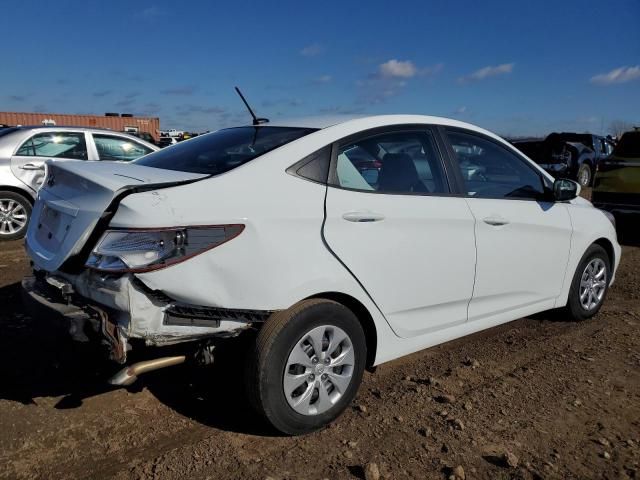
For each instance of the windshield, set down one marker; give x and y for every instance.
(628, 146)
(224, 150)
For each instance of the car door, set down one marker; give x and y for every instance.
(522, 238)
(27, 163)
(393, 223)
(118, 148)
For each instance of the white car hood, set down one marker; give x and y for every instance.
(76, 195)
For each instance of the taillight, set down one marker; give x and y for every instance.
(143, 250)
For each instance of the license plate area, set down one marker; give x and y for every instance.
(52, 228)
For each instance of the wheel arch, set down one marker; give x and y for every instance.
(587, 161)
(19, 191)
(364, 317)
(608, 247)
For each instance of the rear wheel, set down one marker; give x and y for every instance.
(590, 284)
(307, 365)
(584, 175)
(15, 211)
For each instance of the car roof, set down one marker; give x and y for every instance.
(30, 129)
(364, 122)
(319, 121)
(322, 122)
(68, 127)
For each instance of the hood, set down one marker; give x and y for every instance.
(76, 196)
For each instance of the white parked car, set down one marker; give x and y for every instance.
(24, 150)
(344, 245)
(172, 132)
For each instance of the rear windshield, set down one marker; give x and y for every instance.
(628, 146)
(224, 150)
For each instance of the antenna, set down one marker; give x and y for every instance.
(256, 120)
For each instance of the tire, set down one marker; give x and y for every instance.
(594, 256)
(584, 175)
(15, 212)
(282, 341)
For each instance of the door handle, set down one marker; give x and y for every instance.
(31, 166)
(495, 221)
(363, 217)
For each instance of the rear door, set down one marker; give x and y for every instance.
(392, 221)
(522, 239)
(27, 163)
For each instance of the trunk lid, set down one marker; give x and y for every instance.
(77, 195)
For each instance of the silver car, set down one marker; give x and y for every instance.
(24, 150)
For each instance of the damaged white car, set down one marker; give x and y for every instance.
(342, 244)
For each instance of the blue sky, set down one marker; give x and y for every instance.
(518, 68)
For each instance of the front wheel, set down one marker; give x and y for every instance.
(306, 366)
(15, 211)
(590, 284)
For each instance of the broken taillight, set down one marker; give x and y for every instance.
(143, 250)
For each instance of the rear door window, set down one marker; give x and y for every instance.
(111, 147)
(395, 162)
(224, 150)
(55, 145)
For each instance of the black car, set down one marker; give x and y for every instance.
(568, 155)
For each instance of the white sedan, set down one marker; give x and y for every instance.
(336, 245)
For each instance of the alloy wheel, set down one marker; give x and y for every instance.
(319, 370)
(593, 284)
(13, 216)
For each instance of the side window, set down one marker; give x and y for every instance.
(55, 145)
(399, 162)
(491, 171)
(118, 148)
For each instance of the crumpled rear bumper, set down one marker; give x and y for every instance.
(84, 320)
(120, 308)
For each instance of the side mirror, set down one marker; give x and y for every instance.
(565, 189)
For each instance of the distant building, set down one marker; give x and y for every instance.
(112, 121)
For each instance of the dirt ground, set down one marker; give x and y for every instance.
(537, 398)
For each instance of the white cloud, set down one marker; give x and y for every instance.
(460, 110)
(397, 69)
(488, 71)
(618, 75)
(390, 79)
(323, 79)
(312, 50)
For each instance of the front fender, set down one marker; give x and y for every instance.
(590, 225)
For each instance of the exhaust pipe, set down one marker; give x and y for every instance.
(130, 374)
